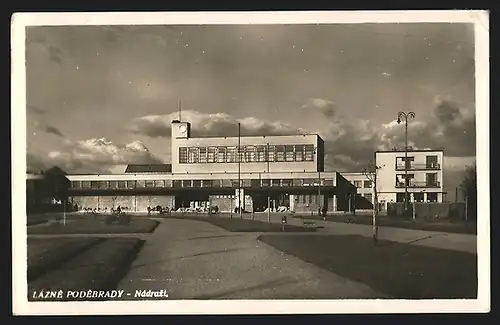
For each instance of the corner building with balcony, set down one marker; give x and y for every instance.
(228, 172)
(424, 176)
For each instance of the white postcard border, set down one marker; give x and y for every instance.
(21, 306)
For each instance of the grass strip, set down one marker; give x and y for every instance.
(90, 226)
(403, 271)
(47, 253)
(99, 268)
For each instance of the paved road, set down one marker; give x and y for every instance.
(441, 240)
(196, 260)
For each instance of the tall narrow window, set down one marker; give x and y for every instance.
(431, 179)
(203, 155)
(261, 153)
(221, 154)
(280, 153)
(431, 162)
(193, 155)
(211, 152)
(250, 154)
(270, 153)
(309, 152)
(289, 153)
(183, 155)
(299, 152)
(231, 154)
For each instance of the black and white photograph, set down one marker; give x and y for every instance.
(253, 163)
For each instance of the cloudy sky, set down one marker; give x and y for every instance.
(98, 96)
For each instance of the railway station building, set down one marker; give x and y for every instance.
(256, 173)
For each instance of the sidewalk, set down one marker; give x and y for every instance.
(441, 240)
(196, 260)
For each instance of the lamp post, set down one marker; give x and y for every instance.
(371, 174)
(268, 185)
(320, 203)
(405, 116)
(239, 171)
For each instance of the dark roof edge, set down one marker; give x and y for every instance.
(410, 150)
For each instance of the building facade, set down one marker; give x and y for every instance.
(365, 196)
(46, 191)
(252, 173)
(424, 176)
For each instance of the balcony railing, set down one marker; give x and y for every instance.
(419, 167)
(419, 184)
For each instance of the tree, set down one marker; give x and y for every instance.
(469, 189)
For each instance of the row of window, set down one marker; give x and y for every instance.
(308, 199)
(364, 184)
(199, 183)
(246, 154)
(431, 162)
(418, 197)
(431, 179)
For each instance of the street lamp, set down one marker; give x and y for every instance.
(405, 116)
(371, 174)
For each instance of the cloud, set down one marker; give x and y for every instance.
(218, 124)
(53, 130)
(96, 156)
(35, 163)
(35, 110)
(41, 125)
(55, 54)
(449, 126)
(350, 143)
(38, 44)
(327, 107)
(385, 74)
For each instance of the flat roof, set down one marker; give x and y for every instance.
(148, 168)
(256, 136)
(410, 150)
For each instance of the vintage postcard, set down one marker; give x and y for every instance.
(250, 162)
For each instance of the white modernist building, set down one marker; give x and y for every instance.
(364, 188)
(422, 172)
(254, 173)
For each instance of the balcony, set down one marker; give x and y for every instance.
(419, 185)
(419, 167)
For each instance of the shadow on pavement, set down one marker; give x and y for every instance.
(215, 236)
(412, 241)
(230, 250)
(266, 285)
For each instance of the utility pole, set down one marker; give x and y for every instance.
(371, 174)
(239, 172)
(64, 211)
(466, 212)
(268, 186)
(320, 203)
(406, 116)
